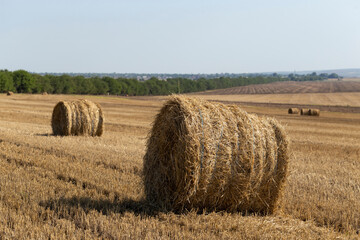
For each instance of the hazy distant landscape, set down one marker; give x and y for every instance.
(347, 73)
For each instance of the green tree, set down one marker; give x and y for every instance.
(42, 84)
(84, 85)
(6, 81)
(57, 84)
(113, 84)
(129, 86)
(155, 86)
(23, 81)
(333, 75)
(100, 86)
(69, 84)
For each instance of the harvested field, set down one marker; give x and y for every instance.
(91, 188)
(334, 96)
(330, 102)
(339, 100)
(286, 96)
(291, 87)
(328, 108)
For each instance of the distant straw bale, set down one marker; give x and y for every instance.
(44, 93)
(81, 117)
(305, 111)
(314, 112)
(293, 111)
(9, 93)
(203, 155)
(310, 112)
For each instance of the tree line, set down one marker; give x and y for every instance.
(21, 81)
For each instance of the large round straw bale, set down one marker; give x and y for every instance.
(314, 112)
(9, 93)
(293, 111)
(212, 156)
(305, 111)
(81, 117)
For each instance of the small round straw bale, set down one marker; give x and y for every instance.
(305, 111)
(293, 111)
(81, 117)
(44, 93)
(203, 155)
(314, 112)
(9, 93)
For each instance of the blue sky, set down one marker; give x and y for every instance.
(188, 36)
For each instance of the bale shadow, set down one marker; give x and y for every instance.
(44, 134)
(67, 207)
(103, 206)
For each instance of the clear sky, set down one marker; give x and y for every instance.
(183, 36)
